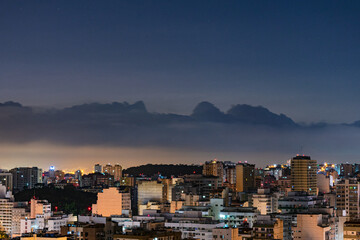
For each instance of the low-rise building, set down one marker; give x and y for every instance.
(351, 230)
(311, 227)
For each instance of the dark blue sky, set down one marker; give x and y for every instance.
(300, 58)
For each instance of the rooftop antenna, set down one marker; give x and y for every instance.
(301, 150)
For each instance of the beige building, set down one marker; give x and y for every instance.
(149, 206)
(40, 207)
(323, 183)
(176, 205)
(167, 190)
(347, 198)
(109, 202)
(310, 227)
(18, 213)
(352, 230)
(149, 191)
(245, 177)
(44, 237)
(265, 202)
(191, 200)
(226, 234)
(279, 229)
(303, 175)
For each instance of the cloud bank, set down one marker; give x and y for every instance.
(243, 131)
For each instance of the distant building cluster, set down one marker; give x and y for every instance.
(301, 199)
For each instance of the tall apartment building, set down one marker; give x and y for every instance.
(214, 168)
(19, 212)
(345, 169)
(230, 175)
(167, 190)
(26, 177)
(245, 177)
(115, 171)
(108, 168)
(6, 207)
(98, 168)
(303, 174)
(347, 198)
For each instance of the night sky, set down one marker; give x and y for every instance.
(299, 58)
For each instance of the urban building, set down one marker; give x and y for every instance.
(109, 169)
(245, 177)
(265, 202)
(6, 179)
(149, 191)
(98, 168)
(226, 234)
(303, 174)
(347, 198)
(6, 208)
(19, 211)
(323, 183)
(143, 234)
(351, 230)
(267, 228)
(214, 168)
(40, 207)
(311, 227)
(345, 169)
(26, 177)
(115, 171)
(43, 236)
(109, 202)
(84, 231)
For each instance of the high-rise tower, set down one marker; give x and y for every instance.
(303, 174)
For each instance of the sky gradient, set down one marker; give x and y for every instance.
(296, 58)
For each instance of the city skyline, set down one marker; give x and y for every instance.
(170, 120)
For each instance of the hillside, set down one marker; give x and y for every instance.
(167, 170)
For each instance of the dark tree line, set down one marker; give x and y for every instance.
(68, 200)
(167, 170)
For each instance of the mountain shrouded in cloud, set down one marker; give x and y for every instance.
(242, 130)
(130, 124)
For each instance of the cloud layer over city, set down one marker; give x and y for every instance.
(243, 132)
